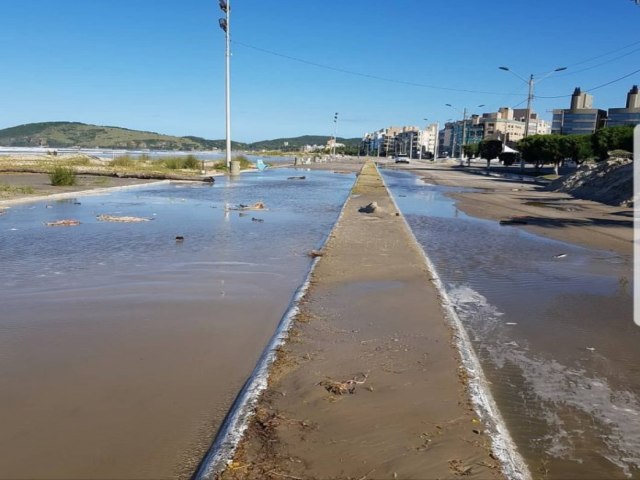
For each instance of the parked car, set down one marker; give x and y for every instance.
(401, 158)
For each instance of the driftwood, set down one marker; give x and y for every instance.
(255, 206)
(63, 223)
(114, 218)
(342, 388)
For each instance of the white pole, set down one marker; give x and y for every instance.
(228, 86)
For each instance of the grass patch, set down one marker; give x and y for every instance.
(7, 190)
(79, 161)
(124, 161)
(245, 163)
(189, 162)
(62, 176)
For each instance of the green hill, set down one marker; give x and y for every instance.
(296, 143)
(75, 134)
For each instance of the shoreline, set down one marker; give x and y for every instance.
(373, 320)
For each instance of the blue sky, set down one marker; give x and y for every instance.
(158, 65)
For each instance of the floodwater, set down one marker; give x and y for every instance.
(121, 350)
(552, 325)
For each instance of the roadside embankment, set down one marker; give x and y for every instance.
(369, 383)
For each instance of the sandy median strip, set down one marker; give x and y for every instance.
(372, 321)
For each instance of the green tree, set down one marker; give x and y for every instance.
(470, 150)
(612, 138)
(576, 147)
(541, 149)
(489, 149)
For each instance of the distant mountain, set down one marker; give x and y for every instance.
(75, 134)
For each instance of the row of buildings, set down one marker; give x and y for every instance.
(507, 124)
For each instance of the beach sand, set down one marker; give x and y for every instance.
(373, 316)
(553, 214)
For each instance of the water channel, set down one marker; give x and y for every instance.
(552, 325)
(121, 349)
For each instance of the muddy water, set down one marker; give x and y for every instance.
(552, 325)
(122, 349)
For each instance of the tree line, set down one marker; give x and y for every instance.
(554, 149)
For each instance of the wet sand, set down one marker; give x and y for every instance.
(553, 214)
(372, 316)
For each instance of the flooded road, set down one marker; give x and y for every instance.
(553, 327)
(121, 349)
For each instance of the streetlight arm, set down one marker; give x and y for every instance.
(507, 69)
(551, 73)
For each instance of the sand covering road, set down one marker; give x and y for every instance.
(369, 383)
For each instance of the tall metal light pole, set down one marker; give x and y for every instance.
(530, 82)
(335, 132)
(225, 6)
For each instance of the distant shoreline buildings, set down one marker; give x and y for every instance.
(507, 125)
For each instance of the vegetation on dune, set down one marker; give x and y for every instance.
(11, 190)
(62, 176)
(245, 163)
(189, 162)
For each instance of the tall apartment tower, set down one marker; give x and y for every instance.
(633, 98)
(630, 115)
(580, 101)
(581, 118)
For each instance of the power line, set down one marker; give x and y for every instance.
(619, 49)
(573, 72)
(366, 75)
(597, 87)
(436, 87)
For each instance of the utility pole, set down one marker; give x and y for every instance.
(464, 134)
(529, 99)
(225, 6)
(335, 132)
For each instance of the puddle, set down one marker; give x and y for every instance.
(552, 325)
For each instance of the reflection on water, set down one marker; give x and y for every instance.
(552, 324)
(122, 349)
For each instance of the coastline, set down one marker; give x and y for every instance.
(372, 320)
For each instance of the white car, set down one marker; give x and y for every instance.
(401, 159)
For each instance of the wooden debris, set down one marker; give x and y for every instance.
(240, 206)
(63, 223)
(342, 388)
(114, 218)
(315, 253)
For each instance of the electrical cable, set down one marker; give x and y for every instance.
(594, 88)
(366, 75)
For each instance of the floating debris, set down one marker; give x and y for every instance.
(63, 223)
(560, 255)
(114, 218)
(315, 253)
(254, 219)
(372, 207)
(179, 239)
(303, 177)
(342, 388)
(255, 206)
(591, 349)
(511, 323)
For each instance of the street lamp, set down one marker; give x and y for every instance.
(464, 129)
(335, 131)
(530, 82)
(225, 25)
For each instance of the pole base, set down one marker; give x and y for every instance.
(234, 169)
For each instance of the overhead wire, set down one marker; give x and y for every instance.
(436, 87)
(366, 75)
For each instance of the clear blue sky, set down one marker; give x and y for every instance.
(159, 64)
